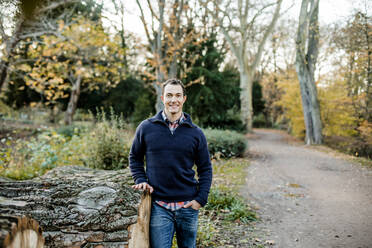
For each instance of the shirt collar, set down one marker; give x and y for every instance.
(180, 120)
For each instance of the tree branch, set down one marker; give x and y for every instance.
(269, 29)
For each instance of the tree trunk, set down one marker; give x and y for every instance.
(72, 104)
(159, 104)
(306, 56)
(246, 103)
(81, 207)
(10, 47)
(20, 232)
(160, 68)
(367, 33)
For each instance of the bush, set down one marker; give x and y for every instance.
(259, 120)
(231, 204)
(110, 144)
(22, 159)
(70, 130)
(225, 143)
(355, 146)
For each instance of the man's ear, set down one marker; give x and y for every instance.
(162, 98)
(184, 98)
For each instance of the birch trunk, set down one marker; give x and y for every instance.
(306, 56)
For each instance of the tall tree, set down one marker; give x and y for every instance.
(306, 56)
(355, 41)
(29, 19)
(80, 58)
(168, 36)
(239, 25)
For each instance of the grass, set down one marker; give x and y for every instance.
(227, 216)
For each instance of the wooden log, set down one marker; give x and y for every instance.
(81, 207)
(19, 232)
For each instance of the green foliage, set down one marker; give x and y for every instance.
(5, 110)
(213, 96)
(69, 131)
(129, 98)
(259, 120)
(125, 103)
(144, 107)
(257, 98)
(110, 143)
(225, 143)
(27, 159)
(231, 204)
(206, 235)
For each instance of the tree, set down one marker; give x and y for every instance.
(241, 31)
(168, 36)
(218, 94)
(354, 41)
(82, 56)
(306, 57)
(29, 20)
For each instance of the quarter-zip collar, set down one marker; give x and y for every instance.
(159, 118)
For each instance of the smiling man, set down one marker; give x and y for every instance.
(172, 145)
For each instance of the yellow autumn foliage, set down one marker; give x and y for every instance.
(337, 113)
(291, 102)
(83, 50)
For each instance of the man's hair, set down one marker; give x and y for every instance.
(174, 81)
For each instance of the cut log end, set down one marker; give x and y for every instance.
(139, 232)
(20, 232)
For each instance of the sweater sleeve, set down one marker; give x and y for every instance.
(136, 157)
(204, 169)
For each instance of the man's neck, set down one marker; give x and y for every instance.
(173, 117)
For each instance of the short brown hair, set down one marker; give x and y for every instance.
(174, 81)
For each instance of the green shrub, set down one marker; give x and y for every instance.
(109, 144)
(225, 143)
(70, 130)
(22, 159)
(231, 204)
(259, 120)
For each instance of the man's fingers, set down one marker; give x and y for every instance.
(143, 186)
(188, 205)
(147, 186)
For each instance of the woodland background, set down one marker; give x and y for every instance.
(75, 81)
(66, 62)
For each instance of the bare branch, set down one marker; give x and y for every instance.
(55, 5)
(152, 10)
(269, 29)
(223, 28)
(142, 17)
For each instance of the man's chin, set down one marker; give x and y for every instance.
(173, 111)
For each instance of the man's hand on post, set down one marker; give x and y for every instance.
(143, 186)
(194, 204)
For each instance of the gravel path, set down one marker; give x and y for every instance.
(308, 198)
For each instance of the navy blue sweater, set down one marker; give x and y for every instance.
(170, 159)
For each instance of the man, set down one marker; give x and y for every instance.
(172, 144)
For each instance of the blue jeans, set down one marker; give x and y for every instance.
(164, 223)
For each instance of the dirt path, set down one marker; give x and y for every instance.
(308, 198)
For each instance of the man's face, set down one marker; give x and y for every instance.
(173, 99)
